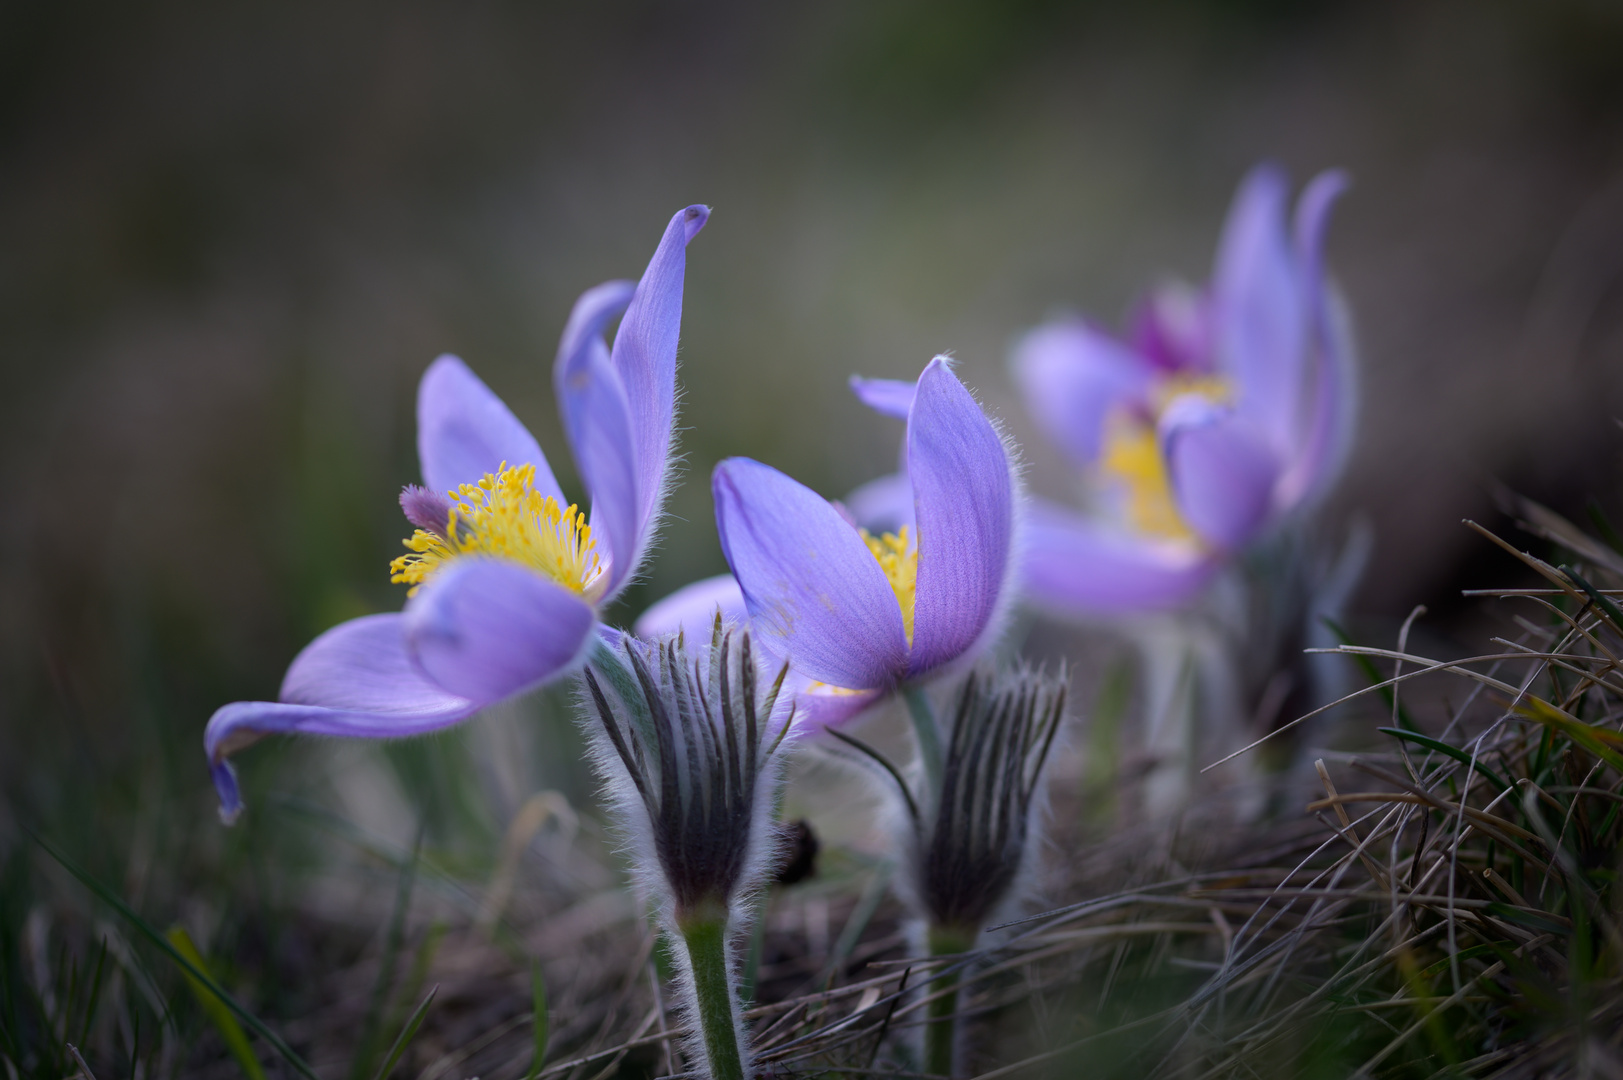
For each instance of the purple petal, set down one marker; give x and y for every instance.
(645, 355)
(815, 593)
(1072, 377)
(1334, 393)
(1221, 468)
(884, 505)
(963, 489)
(1312, 218)
(464, 431)
(488, 628)
(892, 397)
(1173, 329)
(1261, 309)
(355, 680)
(692, 609)
(598, 419)
(819, 705)
(1074, 566)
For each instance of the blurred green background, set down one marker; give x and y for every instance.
(233, 236)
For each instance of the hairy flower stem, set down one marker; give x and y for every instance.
(928, 735)
(706, 938)
(941, 1032)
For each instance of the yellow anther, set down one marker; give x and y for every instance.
(503, 516)
(1132, 457)
(901, 567)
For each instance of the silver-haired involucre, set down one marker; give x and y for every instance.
(968, 846)
(688, 745)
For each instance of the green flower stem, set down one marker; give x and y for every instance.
(928, 735)
(706, 938)
(941, 1031)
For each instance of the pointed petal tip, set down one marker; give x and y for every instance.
(1331, 182)
(694, 218)
(225, 785)
(891, 397)
(1266, 177)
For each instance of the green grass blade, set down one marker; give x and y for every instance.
(112, 900)
(1602, 742)
(407, 1033)
(215, 1009)
(1607, 608)
(95, 992)
(542, 1024)
(1449, 751)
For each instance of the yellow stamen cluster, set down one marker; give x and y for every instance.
(1132, 458)
(901, 567)
(504, 517)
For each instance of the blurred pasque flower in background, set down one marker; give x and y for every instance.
(1223, 410)
(857, 615)
(506, 578)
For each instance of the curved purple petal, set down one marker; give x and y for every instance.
(602, 431)
(1172, 329)
(892, 397)
(1072, 377)
(356, 679)
(819, 705)
(645, 356)
(1261, 314)
(692, 609)
(1222, 470)
(963, 492)
(883, 505)
(464, 431)
(1334, 395)
(1074, 566)
(488, 628)
(815, 593)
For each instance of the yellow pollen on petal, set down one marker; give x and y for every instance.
(901, 567)
(1132, 458)
(504, 517)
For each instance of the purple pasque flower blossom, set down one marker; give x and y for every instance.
(858, 615)
(1222, 411)
(506, 581)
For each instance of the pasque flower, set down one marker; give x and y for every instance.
(1222, 411)
(859, 615)
(687, 739)
(506, 578)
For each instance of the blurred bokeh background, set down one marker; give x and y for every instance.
(233, 236)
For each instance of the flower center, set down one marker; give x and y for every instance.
(901, 567)
(1132, 458)
(504, 517)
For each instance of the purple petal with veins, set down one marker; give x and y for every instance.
(815, 593)
(963, 489)
(465, 431)
(645, 357)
